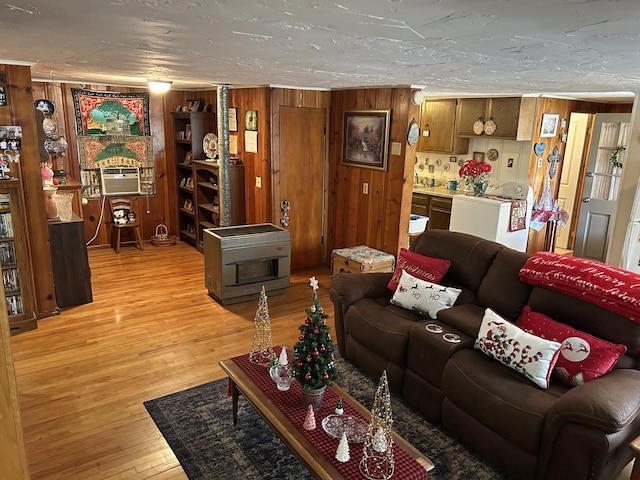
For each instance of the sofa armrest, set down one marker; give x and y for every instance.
(347, 288)
(608, 403)
(350, 287)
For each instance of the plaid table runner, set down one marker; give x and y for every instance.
(290, 403)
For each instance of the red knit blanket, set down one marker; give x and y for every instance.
(604, 285)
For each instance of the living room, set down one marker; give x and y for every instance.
(351, 217)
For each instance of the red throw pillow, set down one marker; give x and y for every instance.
(583, 357)
(420, 266)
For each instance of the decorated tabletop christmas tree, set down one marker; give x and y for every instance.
(314, 366)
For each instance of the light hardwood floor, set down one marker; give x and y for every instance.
(151, 330)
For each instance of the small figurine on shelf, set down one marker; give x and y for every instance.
(339, 410)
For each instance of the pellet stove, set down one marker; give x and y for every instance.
(240, 260)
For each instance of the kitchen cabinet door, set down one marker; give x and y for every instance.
(504, 111)
(438, 118)
(439, 213)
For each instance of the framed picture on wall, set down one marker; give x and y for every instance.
(549, 126)
(233, 119)
(366, 138)
(251, 120)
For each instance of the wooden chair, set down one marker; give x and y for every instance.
(124, 205)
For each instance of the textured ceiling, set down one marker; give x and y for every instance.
(448, 46)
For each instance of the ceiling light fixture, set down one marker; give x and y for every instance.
(157, 86)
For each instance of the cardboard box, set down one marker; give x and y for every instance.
(361, 259)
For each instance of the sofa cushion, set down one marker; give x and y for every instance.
(466, 318)
(583, 357)
(422, 296)
(470, 258)
(420, 266)
(379, 330)
(497, 397)
(532, 356)
(507, 298)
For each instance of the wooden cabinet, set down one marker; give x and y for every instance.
(504, 111)
(207, 196)
(420, 204)
(70, 263)
(14, 258)
(439, 213)
(189, 129)
(438, 118)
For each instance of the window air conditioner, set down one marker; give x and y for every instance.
(120, 181)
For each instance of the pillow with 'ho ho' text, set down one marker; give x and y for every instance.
(423, 297)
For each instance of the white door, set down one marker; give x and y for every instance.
(569, 180)
(601, 186)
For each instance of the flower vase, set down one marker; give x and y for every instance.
(313, 397)
(480, 187)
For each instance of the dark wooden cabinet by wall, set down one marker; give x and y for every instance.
(420, 204)
(71, 273)
(439, 213)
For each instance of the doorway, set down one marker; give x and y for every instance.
(597, 203)
(301, 182)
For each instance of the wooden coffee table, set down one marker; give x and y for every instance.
(289, 433)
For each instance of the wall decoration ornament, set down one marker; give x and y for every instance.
(549, 126)
(539, 148)
(102, 113)
(109, 151)
(366, 138)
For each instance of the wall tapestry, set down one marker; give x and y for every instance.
(115, 151)
(105, 113)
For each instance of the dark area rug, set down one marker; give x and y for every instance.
(198, 426)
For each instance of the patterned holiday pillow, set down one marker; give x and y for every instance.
(420, 266)
(423, 297)
(583, 357)
(532, 356)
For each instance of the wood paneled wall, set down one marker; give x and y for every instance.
(541, 240)
(380, 218)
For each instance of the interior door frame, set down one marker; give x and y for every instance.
(276, 104)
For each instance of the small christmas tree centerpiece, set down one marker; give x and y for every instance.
(313, 364)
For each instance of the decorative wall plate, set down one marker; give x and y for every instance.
(447, 167)
(45, 106)
(49, 127)
(460, 162)
(210, 145)
(438, 162)
(492, 154)
(478, 126)
(414, 133)
(490, 127)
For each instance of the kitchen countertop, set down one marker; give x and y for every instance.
(438, 191)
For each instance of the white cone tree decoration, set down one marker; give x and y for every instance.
(261, 348)
(283, 359)
(310, 420)
(342, 453)
(377, 451)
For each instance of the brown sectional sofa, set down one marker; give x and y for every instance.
(559, 433)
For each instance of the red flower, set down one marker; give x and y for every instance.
(473, 168)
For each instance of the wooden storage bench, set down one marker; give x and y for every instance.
(361, 259)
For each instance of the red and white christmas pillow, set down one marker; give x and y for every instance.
(583, 357)
(419, 266)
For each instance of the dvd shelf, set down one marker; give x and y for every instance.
(16, 278)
